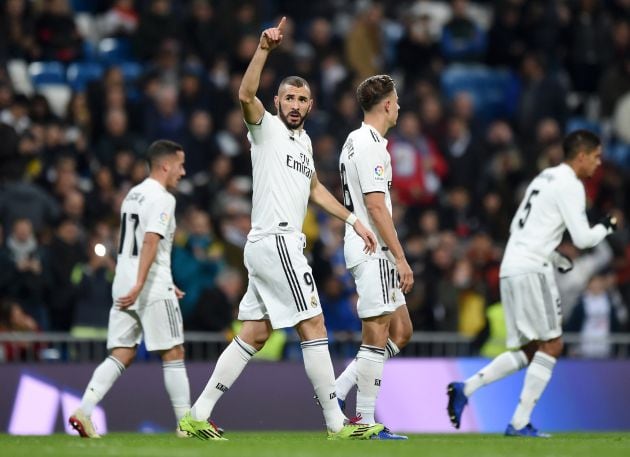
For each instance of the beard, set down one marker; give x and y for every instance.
(292, 124)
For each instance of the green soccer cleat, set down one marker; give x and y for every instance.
(355, 431)
(204, 430)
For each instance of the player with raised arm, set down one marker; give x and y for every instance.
(145, 300)
(281, 290)
(554, 201)
(382, 279)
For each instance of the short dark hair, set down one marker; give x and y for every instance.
(295, 81)
(374, 89)
(161, 148)
(579, 141)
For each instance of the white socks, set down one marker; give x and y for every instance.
(102, 380)
(536, 379)
(348, 378)
(370, 360)
(320, 372)
(501, 366)
(177, 386)
(228, 368)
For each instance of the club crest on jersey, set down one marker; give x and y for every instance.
(163, 218)
(313, 301)
(379, 173)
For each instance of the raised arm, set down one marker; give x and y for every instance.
(251, 106)
(327, 201)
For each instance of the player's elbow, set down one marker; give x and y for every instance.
(245, 96)
(374, 209)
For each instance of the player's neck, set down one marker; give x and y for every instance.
(573, 166)
(377, 122)
(159, 178)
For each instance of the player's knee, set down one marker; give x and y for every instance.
(176, 353)
(125, 356)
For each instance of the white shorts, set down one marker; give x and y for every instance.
(160, 322)
(281, 286)
(378, 287)
(531, 303)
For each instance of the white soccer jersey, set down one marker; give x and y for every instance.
(282, 163)
(365, 166)
(554, 201)
(148, 207)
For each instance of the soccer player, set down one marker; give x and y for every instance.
(554, 201)
(145, 298)
(281, 290)
(382, 279)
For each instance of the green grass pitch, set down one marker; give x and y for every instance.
(312, 444)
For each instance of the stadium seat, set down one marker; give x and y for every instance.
(494, 92)
(81, 73)
(131, 70)
(47, 73)
(83, 6)
(576, 123)
(114, 50)
(58, 96)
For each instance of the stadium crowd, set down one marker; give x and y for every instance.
(487, 91)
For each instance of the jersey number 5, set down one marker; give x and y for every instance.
(123, 229)
(347, 199)
(528, 208)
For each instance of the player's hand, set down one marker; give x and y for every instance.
(272, 37)
(610, 222)
(127, 300)
(405, 275)
(179, 293)
(562, 263)
(368, 237)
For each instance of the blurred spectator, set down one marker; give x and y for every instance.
(463, 156)
(17, 114)
(217, 305)
(462, 39)
(418, 166)
(66, 254)
(418, 53)
(17, 30)
(614, 84)
(199, 143)
(542, 96)
(590, 45)
(364, 41)
(156, 25)
(56, 32)
(165, 119)
(27, 281)
(117, 137)
(13, 318)
(599, 313)
(201, 32)
(197, 260)
(506, 38)
(93, 279)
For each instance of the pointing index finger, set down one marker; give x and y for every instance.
(281, 24)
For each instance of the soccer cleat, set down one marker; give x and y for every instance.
(529, 430)
(457, 400)
(204, 430)
(342, 404)
(352, 430)
(82, 423)
(387, 434)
